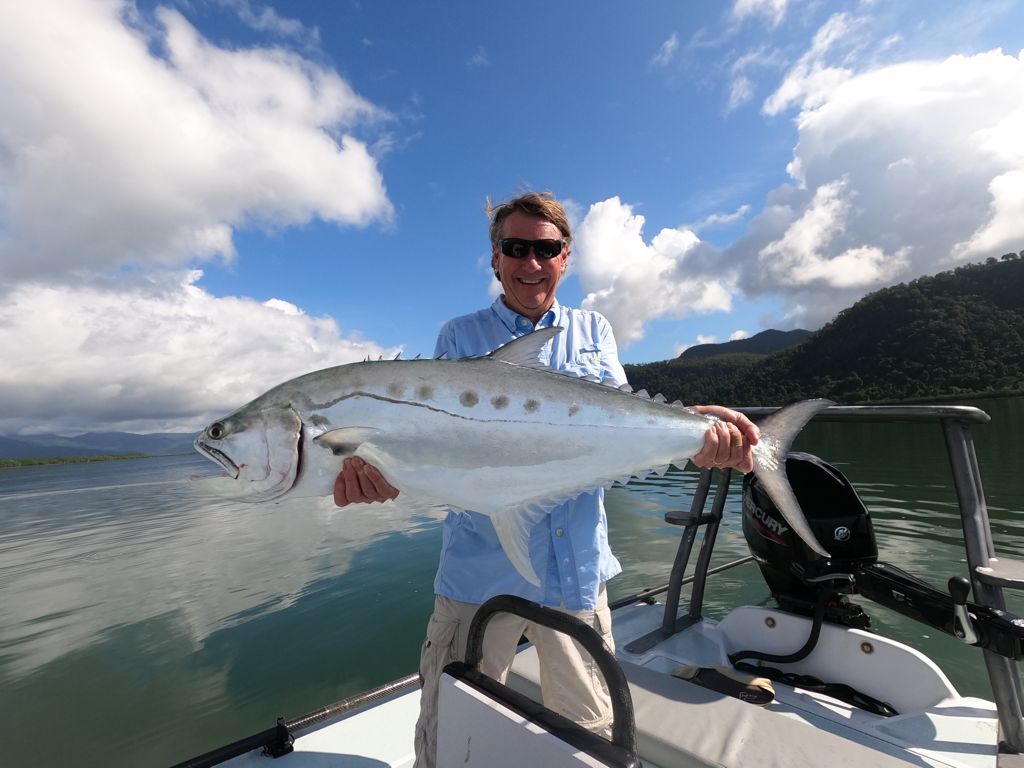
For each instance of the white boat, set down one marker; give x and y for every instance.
(843, 695)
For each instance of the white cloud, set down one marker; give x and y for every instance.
(774, 10)
(900, 171)
(737, 335)
(155, 354)
(798, 256)
(811, 80)
(1004, 230)
(740, 92)
(667, 51)
(478, 59)
(721, 219)
(263, 18)
(110, 155)
(632, 282)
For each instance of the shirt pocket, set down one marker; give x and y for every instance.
(586, 362)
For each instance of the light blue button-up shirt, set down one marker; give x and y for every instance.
(569, 548)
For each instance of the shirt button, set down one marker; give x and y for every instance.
(522, 322)
(559, 532)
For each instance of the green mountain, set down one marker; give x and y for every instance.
(955, 334)
(763, 343)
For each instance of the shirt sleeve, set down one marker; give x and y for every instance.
(611, 368)
(445, 345)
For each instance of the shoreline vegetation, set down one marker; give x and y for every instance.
(34, 461)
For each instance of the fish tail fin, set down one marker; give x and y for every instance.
(513, 527)
(777, 434)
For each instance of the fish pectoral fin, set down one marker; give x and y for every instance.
(345, 440)
(513, 528)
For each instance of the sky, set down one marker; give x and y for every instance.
(200, 199)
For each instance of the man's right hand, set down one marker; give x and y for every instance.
(361, 483)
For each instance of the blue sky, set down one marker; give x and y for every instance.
(201, 199)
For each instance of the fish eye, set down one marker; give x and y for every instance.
(216, 430)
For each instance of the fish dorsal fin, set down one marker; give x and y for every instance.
(525, 350)
(659, 398)
(642, 393)
(626, 388)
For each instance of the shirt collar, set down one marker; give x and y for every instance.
(519, 325)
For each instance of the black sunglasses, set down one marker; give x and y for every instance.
(517, 248)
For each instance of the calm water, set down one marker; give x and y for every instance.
(141, 624)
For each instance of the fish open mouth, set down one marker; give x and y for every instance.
(219, 457)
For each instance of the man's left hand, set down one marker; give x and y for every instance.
(728, 442)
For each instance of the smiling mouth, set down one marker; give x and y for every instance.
(524, 281)
(219, 457)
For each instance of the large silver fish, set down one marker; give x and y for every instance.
(501, 435)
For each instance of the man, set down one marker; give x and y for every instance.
(530, 248)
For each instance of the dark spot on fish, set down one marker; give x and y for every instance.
(574, 409)
(469, 398)
(317, 420)
(425, 393)
(395, 389)
(499, 402)
(531, 405)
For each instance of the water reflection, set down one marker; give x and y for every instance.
(75, 562)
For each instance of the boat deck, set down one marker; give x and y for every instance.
(680, 723)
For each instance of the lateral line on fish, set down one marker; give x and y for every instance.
(397, 401)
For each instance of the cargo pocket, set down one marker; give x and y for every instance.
(439, 646)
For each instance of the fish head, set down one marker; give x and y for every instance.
(259, 449)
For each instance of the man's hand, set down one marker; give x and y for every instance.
(728, 442)
(361, 483)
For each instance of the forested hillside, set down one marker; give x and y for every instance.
(958, 333)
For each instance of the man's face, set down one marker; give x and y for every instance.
(529, 283)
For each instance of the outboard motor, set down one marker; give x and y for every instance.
(839, 520)
(803, 582)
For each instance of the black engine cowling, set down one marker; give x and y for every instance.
(836, 515)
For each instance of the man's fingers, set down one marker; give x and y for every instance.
(361, 483)
(382, 490)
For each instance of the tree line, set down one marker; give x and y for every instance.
(952, 335)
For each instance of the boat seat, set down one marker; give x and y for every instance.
(684, 725)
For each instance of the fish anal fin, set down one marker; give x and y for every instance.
(345, 440)
(513, 528)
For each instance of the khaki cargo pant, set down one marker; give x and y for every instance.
(571, 683)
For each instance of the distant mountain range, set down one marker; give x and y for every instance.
(764, 343)
(94, 444)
